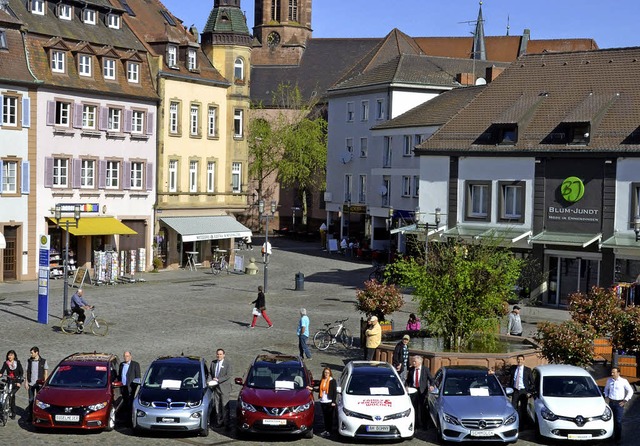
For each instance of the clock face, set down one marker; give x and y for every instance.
(273, 39)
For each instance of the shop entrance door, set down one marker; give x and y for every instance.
(568, 274)
(9, 259)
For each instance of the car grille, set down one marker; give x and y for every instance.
(289, 427)
(66, 410)
(481, 423)
(165, 405)
(595, 433)
(274, 411)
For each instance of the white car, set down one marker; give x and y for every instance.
(567, 404)
(373, 402)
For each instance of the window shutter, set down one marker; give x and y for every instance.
(77, 116)
(102, 174)
(26, 112)
(149, 176)
(1, 170)
(76, 173)
(104, 120)
(26, 176)
(126, 175)
(1, 105)
(128, 114)
(51, 112)
(48, 172)
(150, 122)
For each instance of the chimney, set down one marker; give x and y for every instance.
(466, 78)
(3, 5)
(524, 42)
(493, 72)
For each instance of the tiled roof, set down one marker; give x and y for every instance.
(601, 87)
(226, 20)
(436, 111)
(13, 67)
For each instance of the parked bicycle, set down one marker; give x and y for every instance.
(377, 273)
(219, 264)
(331, 334)
(69, 324)
(6, 386)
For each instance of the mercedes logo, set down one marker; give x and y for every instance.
(580, 421)
(482, 424)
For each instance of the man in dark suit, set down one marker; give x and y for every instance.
(522, 383)
(221, 374)
(420, 378)
(129, 370)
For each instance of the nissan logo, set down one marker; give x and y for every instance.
(274, 411)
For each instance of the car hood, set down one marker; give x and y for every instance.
(58, 396)
(477, 406)
(181, 395)
(275, 398)
(376, 405)
(571, 407)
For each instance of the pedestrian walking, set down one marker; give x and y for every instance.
(373, 337)
(266, 251)
(37, 373)
(514, 326)
(221, 372)
(400, 358)
(127, 372)
(303, 334)
(12, 369)
(260, 309)
(248, 242)
(617, 393)
(327, 391)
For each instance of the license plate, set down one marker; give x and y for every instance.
(482, 433)
(579, 436)
(167, 420)
(69, 418)
(269, 422)
(378, 428)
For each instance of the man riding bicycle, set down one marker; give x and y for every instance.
(78, 306)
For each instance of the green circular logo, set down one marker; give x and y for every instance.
(572, 189)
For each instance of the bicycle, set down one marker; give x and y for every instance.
(325, 337)
(377, 273)
(219, 264)
(69, 324)
(5, 400)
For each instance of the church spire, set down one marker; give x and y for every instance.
(479, 49)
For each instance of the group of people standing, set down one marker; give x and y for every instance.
(37, 372)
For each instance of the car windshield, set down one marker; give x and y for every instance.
(278, 376)
(380, 382)
(172, 376)
(472, 384)
(569, 387)
(84, 376)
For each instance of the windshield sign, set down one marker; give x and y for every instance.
(478, 385)
(276, 377)
(569, 387)
(173, 376)
(85, 376)
(369, 384)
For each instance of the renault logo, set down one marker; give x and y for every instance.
(580, 421)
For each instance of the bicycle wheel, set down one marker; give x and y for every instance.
(346, 338)
(99, 327)
(373, 275)
(68, 325)
(214, 270)
(322, 340)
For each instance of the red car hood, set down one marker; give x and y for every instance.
(275, 398)
(73, 397)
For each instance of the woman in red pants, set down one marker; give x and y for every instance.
(260, 309)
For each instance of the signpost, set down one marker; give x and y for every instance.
(43, 279)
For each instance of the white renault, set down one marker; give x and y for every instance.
(373, 402)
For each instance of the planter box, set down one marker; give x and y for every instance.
(602, 350)
(386, 325)
(628, 364)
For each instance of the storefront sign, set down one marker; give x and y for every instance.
(84, 207)
(43, 279)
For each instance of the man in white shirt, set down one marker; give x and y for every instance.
(617, 392)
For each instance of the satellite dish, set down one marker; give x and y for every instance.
(382, 190)
(481, 81)
(346, 157)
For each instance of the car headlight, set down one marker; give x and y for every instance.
(302, 407)
(450, 419)
(606, 416)
(144, 403)
(511, 419)
(99, 406)
(246, 406)
(395, 416)
(42, 405)
(353, 414)
(194, 403)
(548, 415)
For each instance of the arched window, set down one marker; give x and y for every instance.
(238, 69)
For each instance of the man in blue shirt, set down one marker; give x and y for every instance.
(78, 305)
(303, 334)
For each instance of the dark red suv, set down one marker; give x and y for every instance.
(83, 392)
(274, 397)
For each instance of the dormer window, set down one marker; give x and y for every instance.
(172, 56)
(499, 134)
(84, 65)
(109, 69)
(89, 16)
(572, 133)
(133, 72)
(3, 40)
(113, 21)
(57, 61)
(191, 59)
(64, 11)
(37, 7)
(238, 69)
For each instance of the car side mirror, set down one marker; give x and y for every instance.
(212, 383)
(40, 382)
(117, 384)
(434, 391)
(339, 389)
(315, 382)
(508, 391)
(412, 390)
(238, 381)
(137, 381)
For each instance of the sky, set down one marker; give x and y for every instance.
(611, 23)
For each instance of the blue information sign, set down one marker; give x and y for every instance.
(43, 279)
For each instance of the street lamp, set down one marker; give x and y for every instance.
(58, 216)
(266, 237)
(294, 209)
(389, 225)
(437, 214)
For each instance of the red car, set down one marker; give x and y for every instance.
(274, 398)
(83, 392)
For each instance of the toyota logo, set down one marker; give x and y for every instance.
(482, 424)
(580, 421)
(377, 418)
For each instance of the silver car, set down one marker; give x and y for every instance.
(468, 403)
(174, 396)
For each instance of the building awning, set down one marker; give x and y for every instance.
(95, 226)
(621, 241)
(506, 235)
(3, 242)
(417, 230)
(465, 231)
(564, 238)
(194, 229)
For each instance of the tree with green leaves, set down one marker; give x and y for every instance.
(462, 289)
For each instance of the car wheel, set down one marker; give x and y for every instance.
(111, 421)
(204, 432)
(308, 434)
(240, 434)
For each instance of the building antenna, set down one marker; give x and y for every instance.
(508, 25)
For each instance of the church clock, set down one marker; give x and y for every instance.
(273, 39)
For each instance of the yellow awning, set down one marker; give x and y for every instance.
(95, 226)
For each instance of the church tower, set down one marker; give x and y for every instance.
(281, 31)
